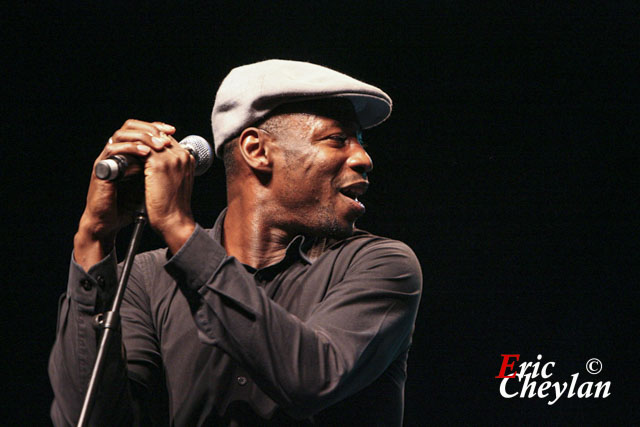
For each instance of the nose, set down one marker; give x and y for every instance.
(359, 160)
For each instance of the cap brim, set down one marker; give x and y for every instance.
(370, 110)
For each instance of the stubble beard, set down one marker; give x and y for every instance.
(327, 224)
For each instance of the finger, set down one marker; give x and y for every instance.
(186, 158)
(156, 141)
(139, 125)
(132, 148)
(154, 128)
(174, 156)
(164, 127)
(164, 139)
(171, 141)
(180, 150)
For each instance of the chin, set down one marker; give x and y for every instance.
(333, 229)
(336, 229)
(339, 232)
(326, 223)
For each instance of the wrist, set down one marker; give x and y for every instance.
(176, 233)
(92, 230)
(88, 250)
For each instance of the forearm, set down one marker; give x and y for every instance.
(306, 366)
(303, 365)
(74, 351)
(91, 244)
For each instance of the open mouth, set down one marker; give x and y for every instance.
(350, 193)
(353, 192)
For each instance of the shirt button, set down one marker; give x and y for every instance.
(242, 380)
(100, 281)
(86, 284)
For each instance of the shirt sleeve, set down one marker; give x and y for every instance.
(75, 348)
(353, 335)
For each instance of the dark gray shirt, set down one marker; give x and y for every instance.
(320, 337)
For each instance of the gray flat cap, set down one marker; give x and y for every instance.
(251, 91)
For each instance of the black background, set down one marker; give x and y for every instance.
(508, 165)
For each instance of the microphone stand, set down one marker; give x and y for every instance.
(110, 320)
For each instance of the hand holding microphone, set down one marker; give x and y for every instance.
(169, 169)
(116, 166)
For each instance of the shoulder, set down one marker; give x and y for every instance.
(365, 245)
(375, 257)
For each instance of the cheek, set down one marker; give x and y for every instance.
(307, 161)
(312, 169)
(311, 173)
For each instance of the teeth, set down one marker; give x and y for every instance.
(350, 194)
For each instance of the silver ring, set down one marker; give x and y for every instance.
(110, 141)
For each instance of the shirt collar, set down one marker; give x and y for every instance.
(306, 248)
(296, 249)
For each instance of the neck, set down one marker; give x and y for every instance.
(249, 236)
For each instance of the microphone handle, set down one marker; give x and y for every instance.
(117, 167)
(122, 165)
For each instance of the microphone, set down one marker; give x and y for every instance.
(115, 167)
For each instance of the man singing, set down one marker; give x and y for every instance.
(283, 313)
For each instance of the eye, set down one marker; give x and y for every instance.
(339, 140)
(361, 140)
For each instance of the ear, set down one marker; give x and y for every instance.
(255, 149)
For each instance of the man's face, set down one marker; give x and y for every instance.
(320, 172)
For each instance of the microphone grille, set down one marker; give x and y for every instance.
(201, 150)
